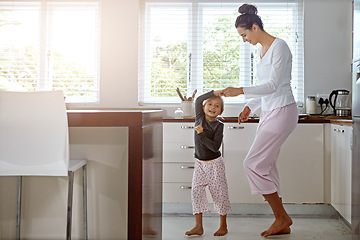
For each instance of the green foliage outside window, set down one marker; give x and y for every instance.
(221, 59)
(21, 68)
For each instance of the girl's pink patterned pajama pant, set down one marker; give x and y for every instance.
(212, 174)
(260, 162)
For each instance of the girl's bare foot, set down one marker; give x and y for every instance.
(197, 230)
(221, 231)
(280, 226)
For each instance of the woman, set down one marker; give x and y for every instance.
(278, 116)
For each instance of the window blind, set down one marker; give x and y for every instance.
(50, 45)
(193, 44)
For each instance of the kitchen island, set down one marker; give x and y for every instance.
(123, 149)
(144, 156)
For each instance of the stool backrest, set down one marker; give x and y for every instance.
(33, 134)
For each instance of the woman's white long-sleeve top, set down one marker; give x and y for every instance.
(274, 75)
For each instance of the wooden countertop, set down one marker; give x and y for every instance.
(113, 118)
(342, 121)
(302, 119)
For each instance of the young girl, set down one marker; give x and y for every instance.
(209, 165)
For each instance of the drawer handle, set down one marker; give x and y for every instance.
(187, 127)
(185, 187)
(232, 127)
(186, 147)
(186, 167)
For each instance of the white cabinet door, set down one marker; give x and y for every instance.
(347, 171)
(300, 164)
(335, 167)
(341, 169)
(237, 142)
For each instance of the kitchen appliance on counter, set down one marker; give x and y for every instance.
(341, 103)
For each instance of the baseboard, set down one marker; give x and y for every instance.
(257, 209)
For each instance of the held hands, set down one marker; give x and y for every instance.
(230, 92)
(199, 129)
(218, 92)
(244, 115)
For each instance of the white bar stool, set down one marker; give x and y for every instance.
(34, 142)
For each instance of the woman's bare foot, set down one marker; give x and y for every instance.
(197, 230)
(221, 231)
(280, 226)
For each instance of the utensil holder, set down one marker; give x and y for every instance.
(188, 108)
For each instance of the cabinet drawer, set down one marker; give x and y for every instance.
(239, 137)
(178, 132)
(180, 192)
(177, 192)
(178, 172)
(177, 152)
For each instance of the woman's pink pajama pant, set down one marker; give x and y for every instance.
(260, 162)
(212, 174)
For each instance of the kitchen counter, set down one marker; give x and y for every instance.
(348, 122)
(302, 119)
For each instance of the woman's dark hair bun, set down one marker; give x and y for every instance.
(247, 9)
(248, 17)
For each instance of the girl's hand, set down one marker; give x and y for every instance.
(244, 115)
(232, 92)
(218, 92)
(199, 129)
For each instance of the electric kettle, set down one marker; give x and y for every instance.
(341, 103)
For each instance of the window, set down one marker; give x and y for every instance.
(194, 45)
(48, 45)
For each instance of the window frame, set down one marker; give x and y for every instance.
(46, 9)
(196, 7)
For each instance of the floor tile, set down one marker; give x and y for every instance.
(249, 228)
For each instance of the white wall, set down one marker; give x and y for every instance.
(328, 47)
(119, 50)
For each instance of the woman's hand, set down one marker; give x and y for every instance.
(199, 129)
(232, 92)
(244, 115)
